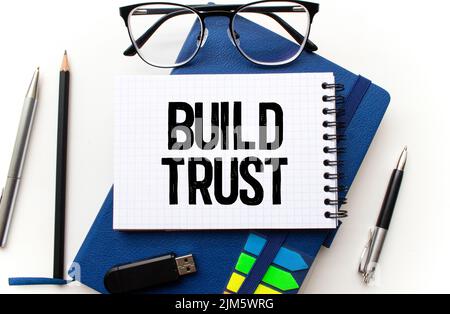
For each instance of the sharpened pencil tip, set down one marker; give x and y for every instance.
(65, 63)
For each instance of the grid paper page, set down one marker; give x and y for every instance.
(150, 195)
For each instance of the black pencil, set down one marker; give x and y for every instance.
(61, 170)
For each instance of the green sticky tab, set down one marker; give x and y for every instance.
(280, 279)
(245, 264)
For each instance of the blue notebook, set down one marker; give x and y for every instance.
(239, 261)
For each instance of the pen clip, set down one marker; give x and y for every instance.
(364, 260)
(1, 197)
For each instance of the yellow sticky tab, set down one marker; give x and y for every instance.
(235, 283)
(265, 290)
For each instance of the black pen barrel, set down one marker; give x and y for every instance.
(390, 200)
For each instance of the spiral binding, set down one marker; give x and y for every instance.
(338, 125)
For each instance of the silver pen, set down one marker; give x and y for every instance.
(372, 252)
(10, 192)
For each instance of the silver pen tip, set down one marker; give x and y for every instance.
(403, 159)
(367, 279)
(33, 89)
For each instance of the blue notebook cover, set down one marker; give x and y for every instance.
(257, 262)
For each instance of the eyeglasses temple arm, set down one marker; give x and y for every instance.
(310, 46)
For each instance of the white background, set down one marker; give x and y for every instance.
(401, 45)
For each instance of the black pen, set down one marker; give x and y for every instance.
(372, 252)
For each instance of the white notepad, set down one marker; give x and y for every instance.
(168, 178)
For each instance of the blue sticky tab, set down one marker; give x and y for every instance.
(255, 244)
(290, 260)
(37, 282)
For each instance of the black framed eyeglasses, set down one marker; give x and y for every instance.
(159, 38)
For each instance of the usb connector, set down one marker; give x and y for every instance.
(143, 275)
(186, 265)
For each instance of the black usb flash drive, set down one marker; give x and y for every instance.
(147, 274)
